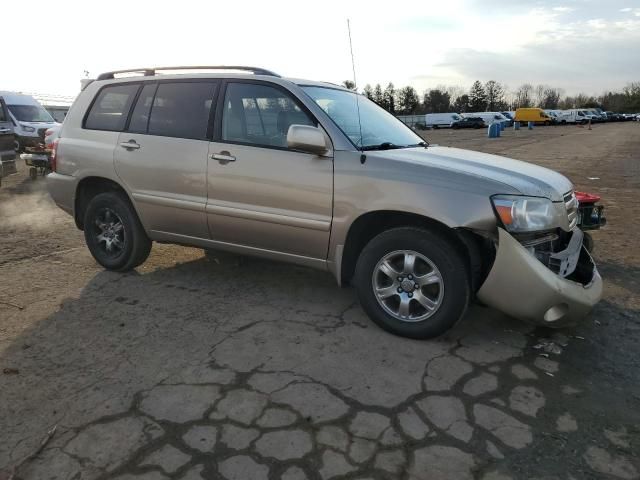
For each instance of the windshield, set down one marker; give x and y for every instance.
(30, 113)
(379, 128)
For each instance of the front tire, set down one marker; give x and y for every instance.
(114, 234)
(412, 282)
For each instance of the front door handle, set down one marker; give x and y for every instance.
(130, 145)
(223, 157)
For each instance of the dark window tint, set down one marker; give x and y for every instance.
(182, 110)
(140, 116)
(110, 109)
(3, 116)
(260, 115)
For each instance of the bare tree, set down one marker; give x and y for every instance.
(550, 98)
(538, 94)
(523, 96)
(350, 84)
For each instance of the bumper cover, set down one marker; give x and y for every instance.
(62, 189)
(521, 286)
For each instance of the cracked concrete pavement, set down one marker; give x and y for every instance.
(201, 366)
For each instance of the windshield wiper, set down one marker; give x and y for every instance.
(392, 146)
(382, 146)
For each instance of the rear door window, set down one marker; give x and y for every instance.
(182, 109)
(111, 108)
(140, 116)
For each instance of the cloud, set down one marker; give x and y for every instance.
(576, 61)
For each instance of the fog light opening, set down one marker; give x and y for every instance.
(556, 312)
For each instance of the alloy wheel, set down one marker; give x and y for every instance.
(408, 285)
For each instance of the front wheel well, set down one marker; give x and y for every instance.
(476, 250)
(88, 188)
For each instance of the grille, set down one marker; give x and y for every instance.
(571, 205)
(41, 132)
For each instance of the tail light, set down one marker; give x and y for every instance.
(54, 155)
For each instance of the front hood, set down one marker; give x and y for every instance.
(527, 178)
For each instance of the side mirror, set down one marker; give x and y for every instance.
(307, 138)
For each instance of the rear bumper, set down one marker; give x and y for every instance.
(62, 189)
(521, 286)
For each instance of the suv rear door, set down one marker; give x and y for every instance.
(162, 156)
(7, 143)
(263, 195)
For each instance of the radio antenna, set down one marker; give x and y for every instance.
(355, 83)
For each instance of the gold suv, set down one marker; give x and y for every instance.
(315, 174)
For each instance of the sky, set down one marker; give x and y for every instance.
(578, 45)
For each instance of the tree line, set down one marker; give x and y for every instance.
(493, 96)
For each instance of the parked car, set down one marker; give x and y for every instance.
(310, 173)
(469, 122)
(535, 115)
(7, 143)
(29, 119)
(615, 117)
(490, 117)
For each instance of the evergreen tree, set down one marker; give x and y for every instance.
(368, 91)
(408, 100)
(437, 101)
(461, 105)
(477, 97)
(378, 96)
(389, 98)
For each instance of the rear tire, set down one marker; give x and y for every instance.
(439, 275)
(113, 233)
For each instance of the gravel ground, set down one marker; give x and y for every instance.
(209, 367)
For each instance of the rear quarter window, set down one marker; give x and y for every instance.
(110, 109)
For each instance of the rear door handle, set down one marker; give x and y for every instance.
(223, 157)
(130, 145)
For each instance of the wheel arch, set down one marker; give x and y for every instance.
(88, 188)
(475, 248)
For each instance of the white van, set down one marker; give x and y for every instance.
(436, 120)
(490, 117)
(577, 115)
(30, 120)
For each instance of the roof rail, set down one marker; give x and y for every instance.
(149, 72)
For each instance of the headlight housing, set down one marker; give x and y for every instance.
(524, 214)
(27, 128)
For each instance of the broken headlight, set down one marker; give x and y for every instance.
(524, 214)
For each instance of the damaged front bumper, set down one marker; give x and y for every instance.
(520, 285)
